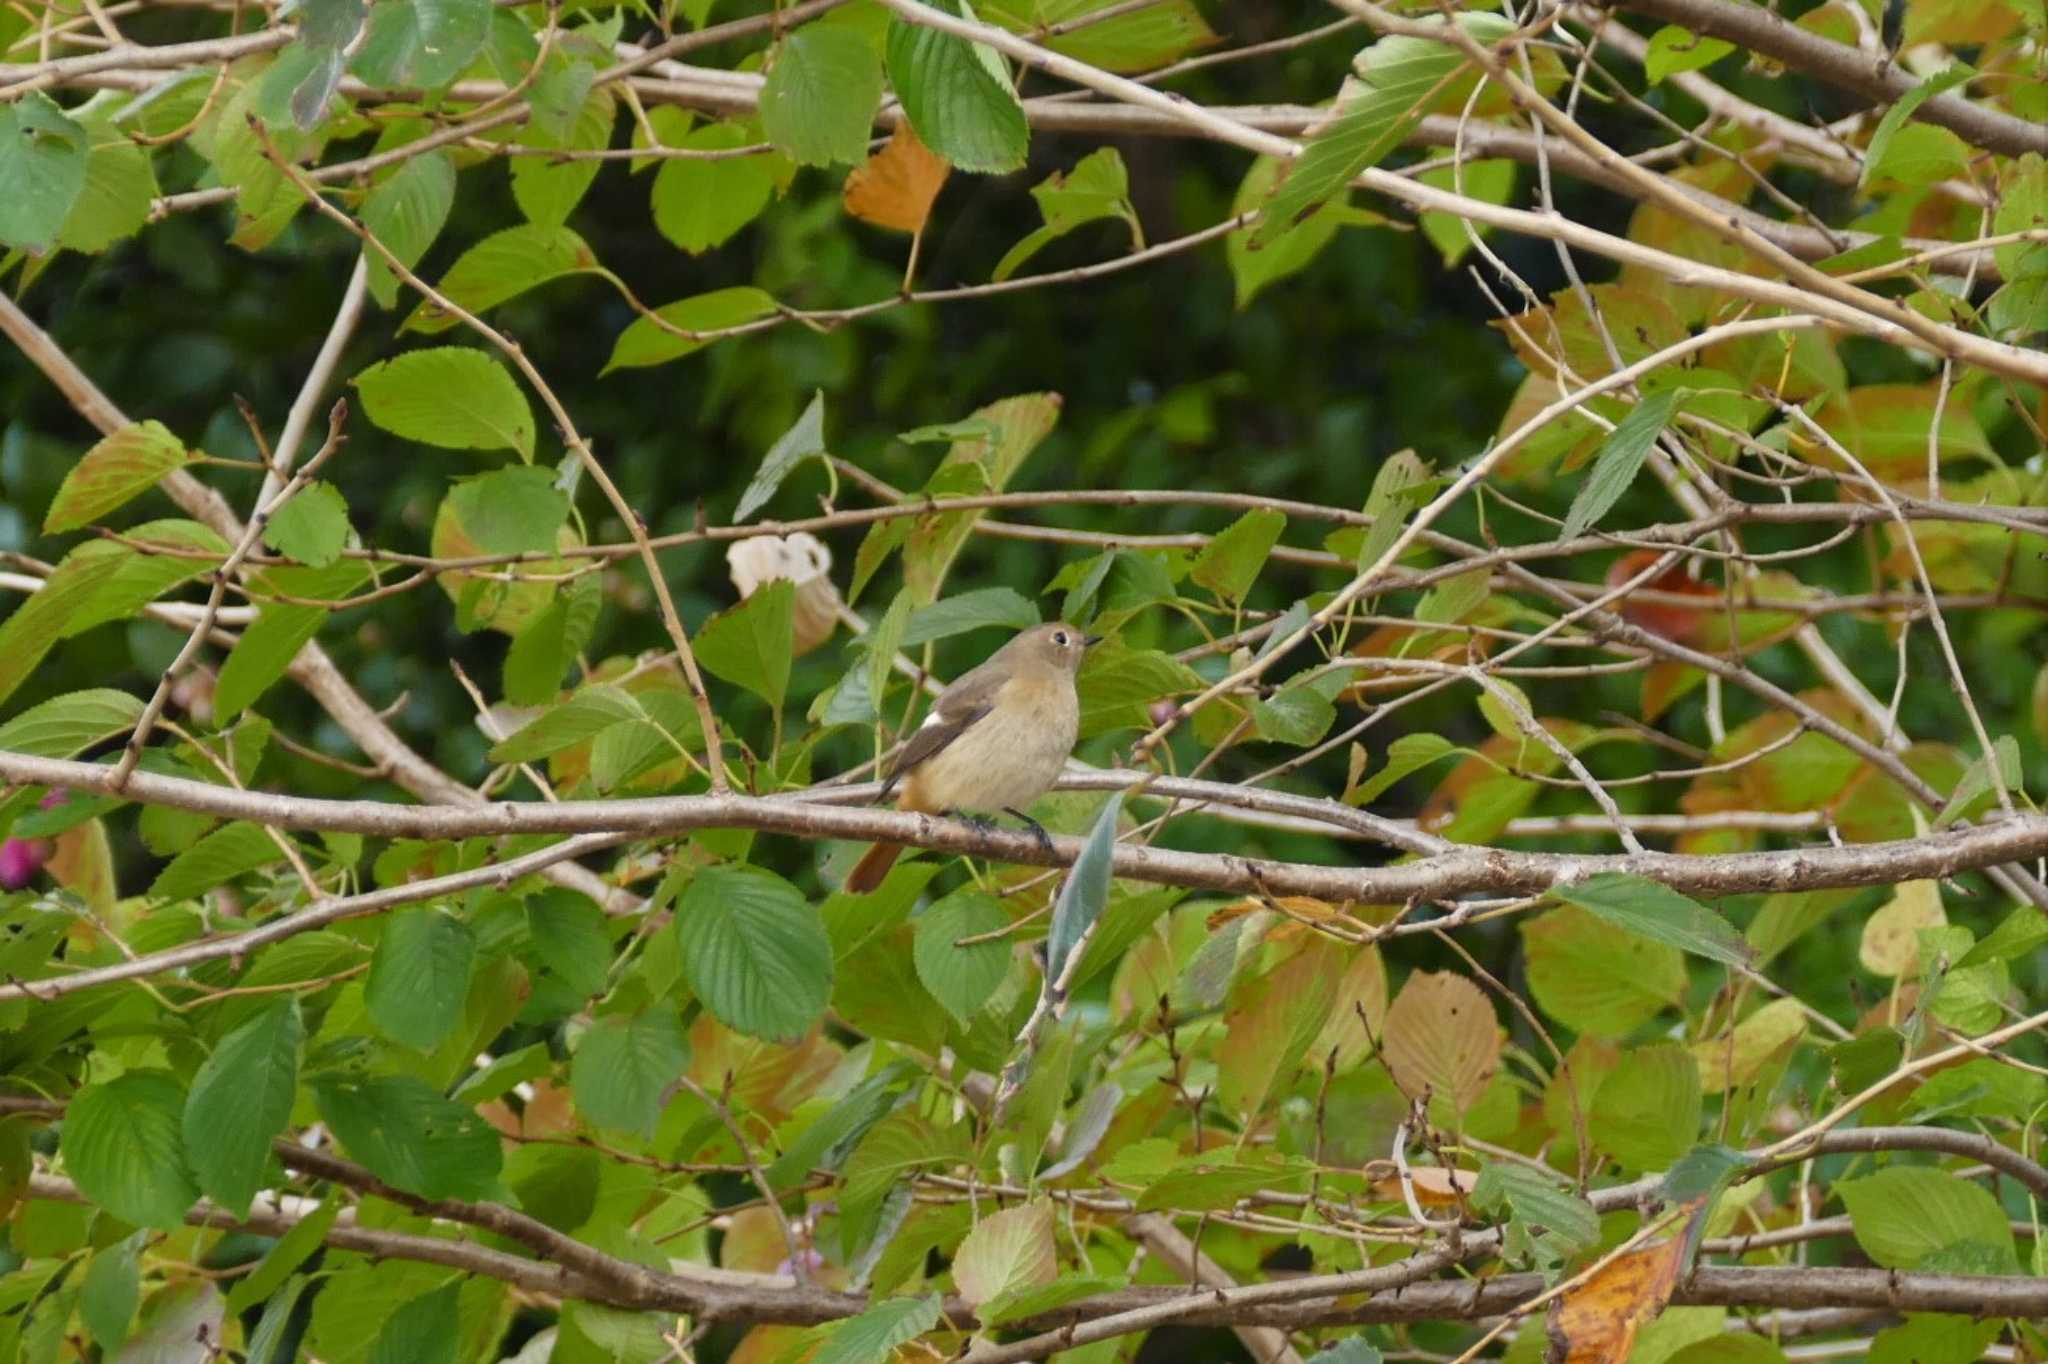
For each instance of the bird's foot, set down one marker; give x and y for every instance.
(1037, 830)
(981, 824)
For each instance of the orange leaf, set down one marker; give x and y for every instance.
(1673, 620)
(1442, 1038)
(896, 186)
(1596, 1323)
(1435, 1186)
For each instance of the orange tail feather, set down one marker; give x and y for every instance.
(873, 867)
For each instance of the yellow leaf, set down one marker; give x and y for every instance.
(1891, 937)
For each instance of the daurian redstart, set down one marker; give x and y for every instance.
(996, 739)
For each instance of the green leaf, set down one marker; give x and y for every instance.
(1300, 714)
(827, 1143)
(1877, 159)
(1921, 154)
(818, 103)
(241, 1098)
(312, 527)
(1098, 187)
(281, 629)
(974, 464)
(123, 1146)
(121, 466)
(450, 396)
(1595, 977)
(881, 644)
(1007, 1252)
(1407, 754)
(1205, 1183)
(1287, 252)
(1674, 51)
(802, 441)
(590, 711)
(1084, 892)
(548, 190)
(1620, 460)
(699, 204)
(751, 645)
(42, 170)
(647, 343)
(2017, 934)
(1646, 1113)
(1539, 1211)
(873, 1336)
(754, 952)
(1907, 1213)
(139, 578)
(406, 211)
(1229, 564)
(958, 97)
(409, 1136)
(267, 1343)
(1398, 77)
(120, 188)
(284, 1257)
(548, 645)
(1983, 776)
(963, 979)
(624, 1065)
(1488, 182)
(1653, 910)
(1117, 683)
(65, 726)
(965, 611)
(423, 44)
(113, 1285)
(1397, 485)
(1026, 1302)
(214, 860)
(426, 1330)
(504, 265)
(419, 977)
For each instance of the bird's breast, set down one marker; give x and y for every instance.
(1009, 757)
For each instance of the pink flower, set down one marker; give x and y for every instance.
(20, 860)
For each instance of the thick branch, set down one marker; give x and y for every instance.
(1875, 77)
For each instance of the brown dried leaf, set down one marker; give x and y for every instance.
(896, 186)
(1442, 1038)
(1596, 1323)
(1435, 1187)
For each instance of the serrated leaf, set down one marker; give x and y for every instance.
(65, 726)
(113, 1286)
(548, 644)
(624, 1065)
(957, 96)
(121, 466)
(419, 977)
(804, 440)
(963, 979)
(572, 115)
(1596, 977)
(312, 527)
(284, 1257)
(2000, 769)
(1353, 1350)
(216, 859)
(406, 211)
(751, 645)
(1620, 460)
(1441, 1038)
(449, 396)
(281, 629)
(43, 157)
(123, 1144)
(645, 342)
(1007, 1252)
(1371, 117)
(1653, 910)
(1903, 1215)
(591, 711)
(502, 266)
(1229, 564)
(966, 611)
(1701, 1172)
(120, 187)
(699, 204)
(818, 103)
(424, 44)
(425, 1330)
(1646, 1113)
(241, 1098)
(754, 952)
(409, 1136)
(1098, 187)
(874, 1335)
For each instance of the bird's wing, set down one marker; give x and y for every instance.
(959, 707)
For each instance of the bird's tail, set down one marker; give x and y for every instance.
(873, 866)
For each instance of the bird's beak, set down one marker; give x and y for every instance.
(1090, 641)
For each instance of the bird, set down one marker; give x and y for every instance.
(995, 739)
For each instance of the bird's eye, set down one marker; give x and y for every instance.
(1059, 637)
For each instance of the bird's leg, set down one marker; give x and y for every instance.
(1037, 830)
(981, 824)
